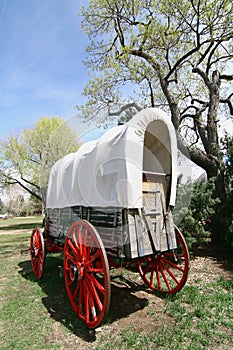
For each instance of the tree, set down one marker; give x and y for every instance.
(18, 204)
(2, 207)
(176, 55)
(26, 159)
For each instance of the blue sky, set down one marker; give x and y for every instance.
(41, 61)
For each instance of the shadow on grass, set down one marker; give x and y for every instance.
(221, 255)
(123, 302)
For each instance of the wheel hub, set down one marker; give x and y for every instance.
(76, 272)
(34, 252)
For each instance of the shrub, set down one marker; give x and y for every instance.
(226, 210)
(197, 216)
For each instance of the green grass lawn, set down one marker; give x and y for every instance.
(33, 314)
(37, 314)
(21, 223)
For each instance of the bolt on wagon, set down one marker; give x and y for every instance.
(110, 205)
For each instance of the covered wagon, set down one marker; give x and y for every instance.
(110, 204)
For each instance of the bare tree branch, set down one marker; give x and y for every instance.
(124, 108)
(30, 183)
(229, 103)
(28, 189)
(226, 77)
(13, 181)
(203, 75)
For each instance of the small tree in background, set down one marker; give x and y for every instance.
(198, 215)
(2, 207)
(26, 159)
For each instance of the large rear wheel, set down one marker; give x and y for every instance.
(86, 272)
(167, 272)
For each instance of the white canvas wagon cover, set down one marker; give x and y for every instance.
(107, 172)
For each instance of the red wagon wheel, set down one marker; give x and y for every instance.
(37, 252)
(86, 272)
(167, 272)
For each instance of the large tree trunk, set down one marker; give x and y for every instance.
(209, 158)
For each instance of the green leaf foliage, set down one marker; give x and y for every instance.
(141, 42)
(226, 209)
(26, 159)
(197, 216)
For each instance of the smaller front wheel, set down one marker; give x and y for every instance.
(37, 252)
(167, 272)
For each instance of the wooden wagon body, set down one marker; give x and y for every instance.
(109, 204)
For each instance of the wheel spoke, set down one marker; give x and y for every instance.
(152, 275)
(95, 294)
(84, 246)
(69, 283)
(175, 266)
(80, 239)
(96, 270)
(158, 276)
(165, 279)
(76, 291)
(71, 258)
(94, 257)
(80, 300)
(170, 273)
(148, 267)
(73, 248)
(89, 247)
(87, 296)
(74, 238)
(90, 303)
(97, 284)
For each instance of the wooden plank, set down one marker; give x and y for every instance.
(163, 239)
(153, 232)
(144, 243)
(133, 246)
(111, 235)
(170, 228)
(152, 183)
